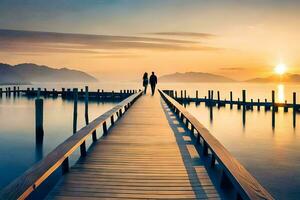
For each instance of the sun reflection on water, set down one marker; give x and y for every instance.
(280, 93)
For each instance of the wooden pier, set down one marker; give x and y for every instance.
(209, 100)
(151, 148)
(67, 93)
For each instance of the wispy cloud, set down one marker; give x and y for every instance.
(52, 42)
(186, 34)
(232, 68)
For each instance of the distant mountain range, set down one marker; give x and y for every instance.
(190, 77)
(27, 73)
(286, 78)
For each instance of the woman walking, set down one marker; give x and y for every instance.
(145, 82)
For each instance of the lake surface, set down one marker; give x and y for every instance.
(271, 155)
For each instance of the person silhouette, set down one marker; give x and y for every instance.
(145, 82)
(153, 82)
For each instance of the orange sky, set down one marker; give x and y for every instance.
(122, 40)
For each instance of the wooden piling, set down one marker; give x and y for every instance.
(286, 108)
(75, 93)
(197, 95)
(294, 108)
(86, 103)
(14, 91)
(231, 99)
(39, 118)
(244, 107)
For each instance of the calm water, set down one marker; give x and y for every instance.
(17, 133)
(271, 155)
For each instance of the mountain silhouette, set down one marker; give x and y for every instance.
(27, 72)
(194, 77)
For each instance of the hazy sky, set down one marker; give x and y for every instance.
(123, 38)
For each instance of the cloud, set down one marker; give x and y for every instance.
(51, 42)
(232, 68)
(186, 34)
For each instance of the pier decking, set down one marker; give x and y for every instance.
(140, 158)
(156, 150)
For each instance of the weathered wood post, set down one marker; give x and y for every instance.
(39, 116)
(244, 107)
(294, 108)
(197, 96)
(185, 95)
(273, 109)
(75, 93)
(9, 91)
(86, 103)
(15, 91)
(207, 102)
(212, 98)
(258, 104)
(285, 108)
(0, 92)
(231, 103)
(63, 94)
(83, 146)
(218, 96)
(176, 94)
(98, 94)
(113, 95)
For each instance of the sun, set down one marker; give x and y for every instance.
(280, 69)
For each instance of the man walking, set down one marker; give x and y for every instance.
(153, 82)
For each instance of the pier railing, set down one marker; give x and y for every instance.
(24, 185)
(245, 185)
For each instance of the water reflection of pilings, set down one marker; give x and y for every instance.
(39, 138)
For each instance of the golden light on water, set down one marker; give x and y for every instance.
(280, 69)
(280, 93)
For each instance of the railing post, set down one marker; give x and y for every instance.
(212, 161)
(112, 121)
(198, 138)
(65, 166)
(205, 149)
(83, 149)
(104, 128)
(192, 129)
(187, 122)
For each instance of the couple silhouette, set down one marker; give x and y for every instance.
(152, 80)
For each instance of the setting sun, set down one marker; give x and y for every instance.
(280, 69)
